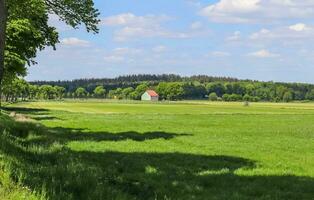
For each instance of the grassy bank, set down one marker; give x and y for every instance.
(10, 186)
(191, 150)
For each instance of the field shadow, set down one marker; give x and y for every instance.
(66, 174)
(38, 159)
(22, 110)
(46, 137)
(34, 113)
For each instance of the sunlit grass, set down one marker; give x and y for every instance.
(168, 150)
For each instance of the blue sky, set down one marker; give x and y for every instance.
(249, 39)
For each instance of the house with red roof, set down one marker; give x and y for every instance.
(150, 95)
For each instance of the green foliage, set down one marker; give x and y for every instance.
(185, 90)
(99, 92)
(287, 97)
(232, 97)
(126, 93)
(81, 93)
(28, 30)
(310, 95)
(47, 92)
(171, 91)
(216, 87)
(213, 96)
(194, 90)
(195, 87)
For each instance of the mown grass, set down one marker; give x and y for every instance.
(188, 150)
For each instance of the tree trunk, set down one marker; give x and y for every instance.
(3, 23)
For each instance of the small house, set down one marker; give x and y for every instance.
(150, 95)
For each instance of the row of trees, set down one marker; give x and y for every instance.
(130, 81)
(20, 89)
(215, 91)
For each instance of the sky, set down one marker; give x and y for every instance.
(268, 40)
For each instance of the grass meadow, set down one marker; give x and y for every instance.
(131, 150)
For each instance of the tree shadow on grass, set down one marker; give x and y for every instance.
(35, 113)
(59, 135)
(62, 173)
(22, 110)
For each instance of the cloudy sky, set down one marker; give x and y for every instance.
(254, 39)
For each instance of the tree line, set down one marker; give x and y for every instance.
(169, 87)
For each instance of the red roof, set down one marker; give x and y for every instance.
(152, 93)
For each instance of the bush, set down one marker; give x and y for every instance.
(213, 96)
(226, 97)
(235, 97)
(247, 98)
(256, 99)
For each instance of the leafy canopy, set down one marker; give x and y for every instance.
(28, 30)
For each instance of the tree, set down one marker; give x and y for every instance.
(60, 91)
(249, 89)
(235, 97)
(287, 97)
(24, 29)
(140, 89)
(213, 96)
(126, 92)
(162, 90)
(226, 97)
(218, 88)
(99, 92)
(47, 92)
(247, 97)
(175, 91)
(116, 94)
(310, 95)
(80, 92)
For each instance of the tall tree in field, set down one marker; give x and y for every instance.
(24, 28)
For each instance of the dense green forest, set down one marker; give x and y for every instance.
(169, 87)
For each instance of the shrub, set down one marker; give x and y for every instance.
(213, 96)
(226, 97)
(247, 98)
(235, 97)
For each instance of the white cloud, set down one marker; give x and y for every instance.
(219, 54)
(263, 54)
(194, 3)
(257, 11)
(114, 59)
(297, 32)
(236, 36)
(122, 54)
(159, 49)
(298, 27)
(131, 26)
(262, 32)
(129, 19)
(73, 41)
(196, 25)
(126, 51)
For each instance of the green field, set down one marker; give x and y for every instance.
(185, 150)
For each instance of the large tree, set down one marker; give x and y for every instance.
(24, 29)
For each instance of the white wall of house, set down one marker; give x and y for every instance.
(147, 97)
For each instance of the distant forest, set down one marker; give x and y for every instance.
(131, 81)
(169, 87)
